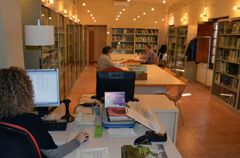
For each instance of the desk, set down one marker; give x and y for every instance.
(114, 145)
(156, 82)
(127, 56)
(159, 104)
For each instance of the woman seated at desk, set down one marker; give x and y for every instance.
(16, 103)
(105, 61)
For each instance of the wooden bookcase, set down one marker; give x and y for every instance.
(123, 40)
(226, 72)
(178, 41)
(143, 36)
(65, 54)
(132, 40)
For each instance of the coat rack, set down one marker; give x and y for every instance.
(193, 80)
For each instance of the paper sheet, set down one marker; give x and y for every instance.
(120, 132)
(93, 153)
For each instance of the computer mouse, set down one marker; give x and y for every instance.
(86, 139)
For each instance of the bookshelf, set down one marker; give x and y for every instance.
(65, 54)
(144, 36)
(132, 40)
(178, 41)
(122, 40)
(226, 72)
(85, 47)
(82, 48)
(61, 30)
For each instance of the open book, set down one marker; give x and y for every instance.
(142, 116)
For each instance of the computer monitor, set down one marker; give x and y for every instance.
(46, 87)
(120, 81)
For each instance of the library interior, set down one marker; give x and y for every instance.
(109, 78)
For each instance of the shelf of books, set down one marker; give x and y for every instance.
(122, 40)
(171, 48)
(82, 48)
(225, 87)
(78, 50)
(144, 36)
(62, 46)
(178, 40)
(85, 47)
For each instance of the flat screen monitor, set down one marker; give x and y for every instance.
(46, 87)
(120, 81)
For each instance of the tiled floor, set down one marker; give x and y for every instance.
(210, 131)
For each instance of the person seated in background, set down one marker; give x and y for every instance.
(105, 61)
(16, 103)
(150, 55)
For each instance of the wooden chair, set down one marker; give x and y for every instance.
(96, 66)
(170, 72)
(179, 95)
(155, 62)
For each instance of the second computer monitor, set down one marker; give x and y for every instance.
(46, 87)
(123, 81)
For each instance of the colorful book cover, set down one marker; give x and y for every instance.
(145, 151)
(116, 111)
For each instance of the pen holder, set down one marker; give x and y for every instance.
(96, 109)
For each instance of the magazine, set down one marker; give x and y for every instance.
(143, 151)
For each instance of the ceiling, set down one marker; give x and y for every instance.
(106, 7)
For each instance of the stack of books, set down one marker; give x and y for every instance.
(139, 151)
(117, 114)
(140, 70)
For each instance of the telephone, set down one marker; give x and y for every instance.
(81, 119)
(151, 136)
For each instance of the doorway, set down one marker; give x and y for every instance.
(97, 40)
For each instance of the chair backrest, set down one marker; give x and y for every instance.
(17, 142)
(169, 71)
(112, 69)
(96, 66)
(181, 88)
(155, 61)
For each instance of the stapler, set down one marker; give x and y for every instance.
(151, 136)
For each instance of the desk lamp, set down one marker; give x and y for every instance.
(39, 35)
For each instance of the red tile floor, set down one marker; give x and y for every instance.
(210, 131)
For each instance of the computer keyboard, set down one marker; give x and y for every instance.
(55, 125)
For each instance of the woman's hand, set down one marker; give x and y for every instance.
(82, 137)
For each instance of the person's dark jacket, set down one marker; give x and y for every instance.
(191, 51)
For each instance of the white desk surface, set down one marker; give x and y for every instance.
(114, 145)
(157, 77)
(124, 56)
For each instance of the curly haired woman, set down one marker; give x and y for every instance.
(16, 103)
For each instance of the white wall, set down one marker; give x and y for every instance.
(11, 17)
